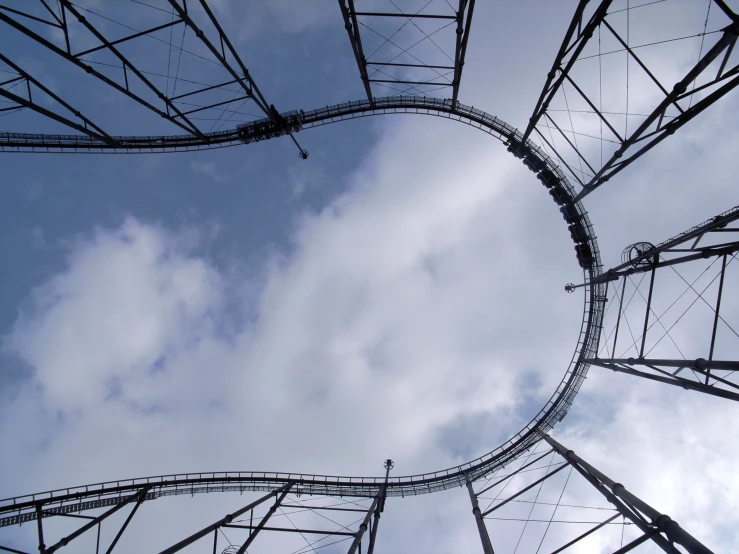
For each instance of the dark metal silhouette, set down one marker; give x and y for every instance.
(590, 20)
(715, 238)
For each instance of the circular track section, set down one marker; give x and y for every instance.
(20, 509)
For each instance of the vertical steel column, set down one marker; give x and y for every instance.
(380, 508)
(627, 504)
(39, 515)
(715, 317)
(649, 307)
(264, 520)
(363, 527)
(487, 546)
(618, 321)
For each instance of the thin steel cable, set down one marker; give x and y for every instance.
(15, 110)
(169, 53)
(387, 40)
(623, 312)
(572, 126)
(681, 295)
(637, 7)
(600, 93)
(299, 532)
(146, 35)
(155, 74)
(649, 44)
(508, 477)
(423, 32)
(566, 505)
(604, 344)
(688, 308)
(317, 512)
(393, 77)
(607, 113)
(148, 5)
(225, 537)
(406, 50)
(205, 106)
(628, 55)
(528, 518)
(555, 511)
(301, 550)
(581, 135)
(658, 320)
(700, 52)
(547, 521)
(179, 59)
(628, 326)
(223, 111)
(706, 301)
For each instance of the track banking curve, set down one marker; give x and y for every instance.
(25, 508)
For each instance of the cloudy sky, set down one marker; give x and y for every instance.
(398, 295)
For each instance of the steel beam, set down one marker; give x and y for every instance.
(519, 470)
(617, 161)
(586, 533)
(13, 550)
(265, 519)
(138, 497)
(228, 519)
(89, 69)
(624, 366)
(487, 546)
(523, 490)
(633, 507)
(652, 129)
(364, 526)
(463, 35)
(119, 534)
(290, 530)
(67, 4)
(29, 16)
(655, 257)
(352, 28)
(129, 37)
(28, 103)
(575, 40)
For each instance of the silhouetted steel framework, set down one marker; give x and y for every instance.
(704, 374)
(430, 75)
(592, 19)
(596, 345)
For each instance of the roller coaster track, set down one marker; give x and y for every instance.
(25, 508)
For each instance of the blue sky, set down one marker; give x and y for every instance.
(401, 291)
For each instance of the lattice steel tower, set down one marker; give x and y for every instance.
(571, 142)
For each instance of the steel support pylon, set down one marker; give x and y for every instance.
(712, 245)
(518, 486)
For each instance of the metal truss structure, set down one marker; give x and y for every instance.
(34, 19)
(611, 133)
(714, 242)
(401, 66)
(112, 53)
(651, 525)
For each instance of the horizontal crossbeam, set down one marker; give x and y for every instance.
(292, 530)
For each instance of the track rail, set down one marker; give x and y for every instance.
(43, 143)
(24, 508)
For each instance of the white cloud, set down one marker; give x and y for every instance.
(209, 169)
